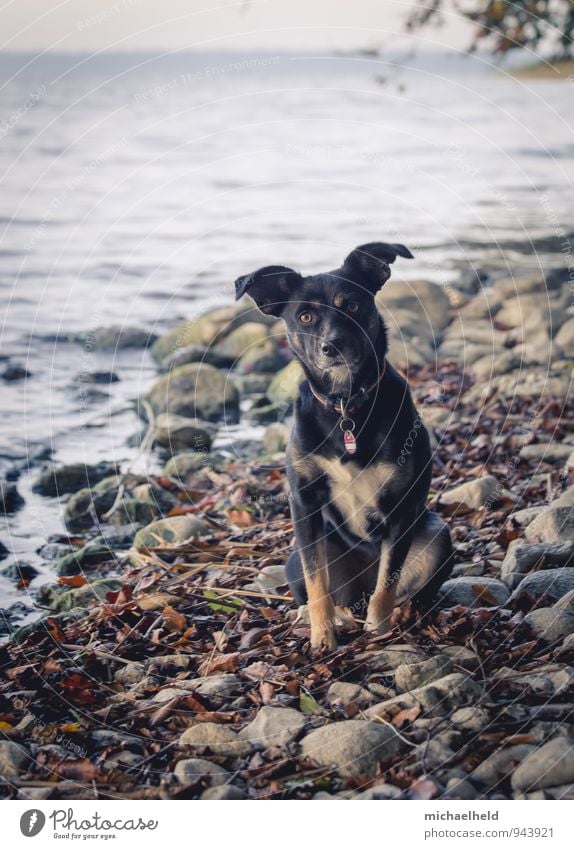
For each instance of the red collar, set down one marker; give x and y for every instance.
(355, 401)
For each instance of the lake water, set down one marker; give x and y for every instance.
(134, 189)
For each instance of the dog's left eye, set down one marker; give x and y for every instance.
(305, 318)
(353, 307)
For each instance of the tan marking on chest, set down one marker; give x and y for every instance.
(355, 491)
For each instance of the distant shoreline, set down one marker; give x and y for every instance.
(562, 70)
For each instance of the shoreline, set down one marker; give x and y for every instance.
(171, 664)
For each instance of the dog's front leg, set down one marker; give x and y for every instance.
(394, 551)
(310, 541)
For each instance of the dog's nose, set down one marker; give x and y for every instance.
(330, 347)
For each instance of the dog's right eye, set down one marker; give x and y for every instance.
(305, 318)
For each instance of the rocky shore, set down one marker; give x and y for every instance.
(170, 661)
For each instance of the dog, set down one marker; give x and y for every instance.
(364, 538)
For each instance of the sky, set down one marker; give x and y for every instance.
(88, 25)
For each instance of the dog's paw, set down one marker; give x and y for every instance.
(375, 625)
(323, 638)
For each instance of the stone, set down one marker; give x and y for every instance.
(195, 354)
(500, 764)
(275, 438)
(482, 492)
(198, 391)
(550, 623)
(59, 480)
(14, 759)
(439, 698)
(263, 358)
(4, 552)
(521, 558)
(426, 299)
(566, 602)
(378, 792)
(396, 655)
(219, 739)
(86, 506)
(556, 524)
(343, 692)
(549, 452)
(547, 766)
(473, 592)
(434, 754)
(86, 596)
(497, 364)
(177, 433)
(14, 372)
(116, 338)
(208, 329)
(459, 788)
(191, 770)
(284, 388)
(565, 499)
(129, 675)
(171, 531)
(412, 675)
(352, 747)
(182, 466)
(20, 571)
(406, 353)
(461, 657)
(273, 726)
(550, 584)
(224, 793)
(10, 498)
(98, 377)
(471, 720)
(565, 336)
(244, 338)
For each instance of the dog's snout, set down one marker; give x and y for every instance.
(331, 347)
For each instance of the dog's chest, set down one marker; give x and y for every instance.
(356, 491)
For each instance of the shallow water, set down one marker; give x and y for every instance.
(136, 188)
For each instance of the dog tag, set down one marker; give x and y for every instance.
(350, 442)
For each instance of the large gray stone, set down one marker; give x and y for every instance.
(190, 770)
(428, 300)
(219, 739)
(473, 592)
(59, 480)
(549, 452)
(551, 584)
(521, 558)
(171, 531)
(547, 766)
(177, 433)
(555, 525)
(550, 623)
(474, 494)
(352, 747)
(439, 698)
(412, 675)
(198, 391)
(14, 759)
(273, 726)
(500, 764)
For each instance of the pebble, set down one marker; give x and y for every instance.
(550, 623)
(549, 765)
(352, 747)
(551, 584)
(439, 698)
(412, 675)
(190, 770)
(473, 592)
(475, 494)
(273, 726)
(220, 739)
(224, 793)
(14, 759)
(343, 692)
(554, 525)
(497, 766)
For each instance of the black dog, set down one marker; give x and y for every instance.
(358, 498)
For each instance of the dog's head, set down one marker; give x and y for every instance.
(332, 321)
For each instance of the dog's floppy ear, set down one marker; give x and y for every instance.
(372, 262)
(270, 287)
